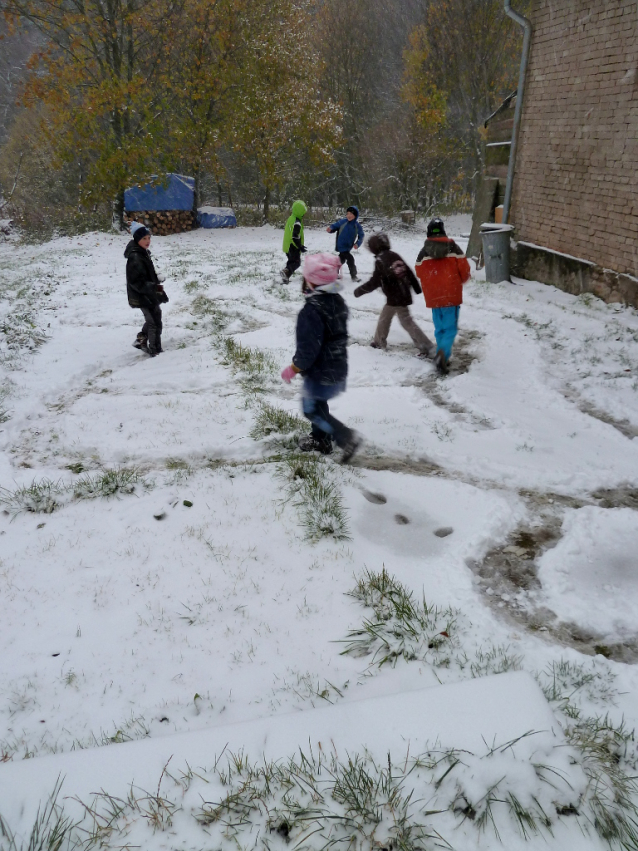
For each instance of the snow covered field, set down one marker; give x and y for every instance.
(170, 565)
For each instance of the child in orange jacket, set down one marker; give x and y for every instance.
(442, 269)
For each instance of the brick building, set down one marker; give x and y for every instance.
(575, 198)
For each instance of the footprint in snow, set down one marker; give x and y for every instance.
(443, 532)
(374, 498)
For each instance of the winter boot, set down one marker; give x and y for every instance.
(351, 447)
(140, 342)
(312, 444)
(440, 362)
(428, 354)
(285, 277)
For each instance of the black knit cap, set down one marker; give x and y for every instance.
(354, 211)
(436, 228)
(140, 233)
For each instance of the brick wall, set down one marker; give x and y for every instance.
(576, 183)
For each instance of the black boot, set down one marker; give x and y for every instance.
(440, 362)
(140, 342)
(309, 443)
(351, 447)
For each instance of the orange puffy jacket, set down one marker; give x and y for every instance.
(442, 278)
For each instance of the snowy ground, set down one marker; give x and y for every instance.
(216, 584)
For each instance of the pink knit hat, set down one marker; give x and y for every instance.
(321, 269)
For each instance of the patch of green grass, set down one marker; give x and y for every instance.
(563, 682)
(402, 627)
(76, 468)
(5, 414)
(109, 483)
(609, 759)
(318, 801)
(207, 309)
(495, 659)
(316, 496)
(271, 421)
(180, 469)
(587, 299)
(256, 369)
(19, 332)
(131, 730)
(410, 629)
(607, 752)
(52, 830)
(45, 496)
(309, 481)
(40, 497)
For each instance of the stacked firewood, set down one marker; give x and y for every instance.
(163, 222)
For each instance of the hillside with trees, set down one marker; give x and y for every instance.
(379, 104)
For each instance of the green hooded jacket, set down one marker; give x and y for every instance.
(299, 210)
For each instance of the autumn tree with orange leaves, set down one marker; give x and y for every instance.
(426, 149)
(465, 54)
(204, 84)
(132, 88)
(100, 84)
(380, 104)
(281, 118)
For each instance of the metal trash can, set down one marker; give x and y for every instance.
(496, 251)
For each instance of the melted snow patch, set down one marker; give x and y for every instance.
(591, 576)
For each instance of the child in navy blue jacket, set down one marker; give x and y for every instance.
(349, 236)
(322, 356)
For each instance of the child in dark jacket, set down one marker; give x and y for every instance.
(442, 269)
(144, 290)
(322, 357)
(397, 281)
(294, 240)
(349, 235)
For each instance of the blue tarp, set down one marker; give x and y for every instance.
(176, 192)
(216, 217)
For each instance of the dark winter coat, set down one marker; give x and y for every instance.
(395, 278)
(439, 246)
(141, 278)
(322, 339)
(348, 232)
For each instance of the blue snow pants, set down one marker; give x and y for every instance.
(446, 327)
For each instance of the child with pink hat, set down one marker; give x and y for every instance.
(322, 356)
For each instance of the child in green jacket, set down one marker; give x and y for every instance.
(293, 241)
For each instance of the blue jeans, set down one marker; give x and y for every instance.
(446, 327)
(314, 404)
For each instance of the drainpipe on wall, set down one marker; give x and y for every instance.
(527, 40)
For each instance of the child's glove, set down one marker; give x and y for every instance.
(288, 373)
